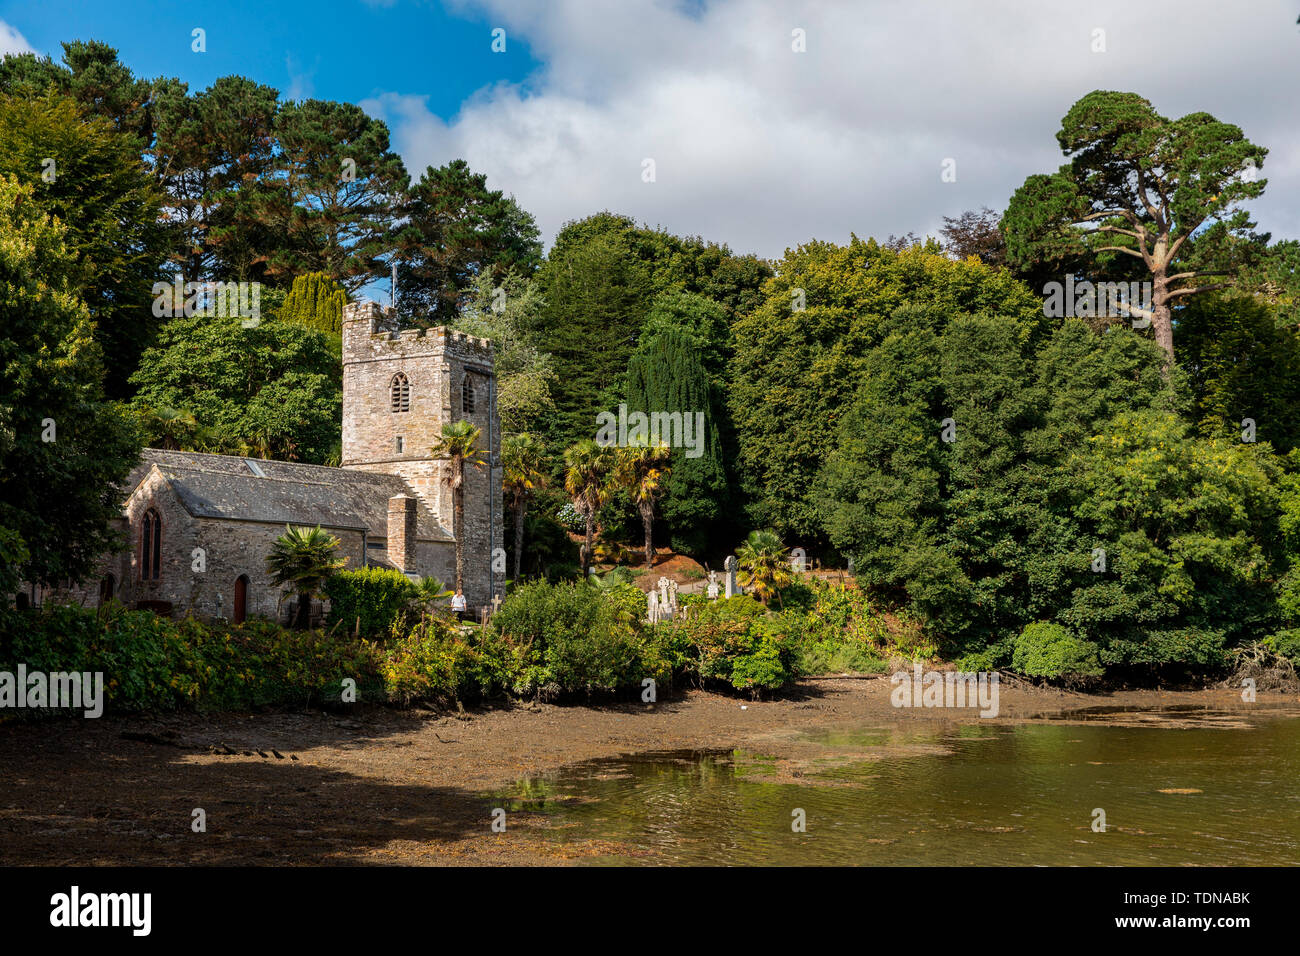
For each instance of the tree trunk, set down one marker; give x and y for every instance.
(647, 522)
(458, 521)
(304, 612)
(1162, 320)
(520, 508)
(586, 547)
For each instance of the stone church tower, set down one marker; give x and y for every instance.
(399, 387)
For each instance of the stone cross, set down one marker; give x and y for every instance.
(496, 603)
(713, 585)
(731, 564)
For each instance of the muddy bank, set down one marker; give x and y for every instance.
(380, 786)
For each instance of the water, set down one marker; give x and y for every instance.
(921, 793)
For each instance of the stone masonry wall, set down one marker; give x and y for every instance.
(435, 363)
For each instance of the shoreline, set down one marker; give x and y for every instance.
(380, 787)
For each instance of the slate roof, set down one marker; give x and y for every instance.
(226, 486)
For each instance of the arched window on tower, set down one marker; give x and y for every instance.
(467, 396)
(151, 546)
(400, 393)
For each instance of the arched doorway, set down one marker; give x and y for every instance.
(241, 598)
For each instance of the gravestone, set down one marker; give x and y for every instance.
(731, 564)
(713, 586)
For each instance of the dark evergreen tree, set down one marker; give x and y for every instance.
(665, 375)
(458, 229)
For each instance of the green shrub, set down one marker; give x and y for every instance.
(371, 599)
(1286, 643)
(433, 662)
(1049, 650)
(572, 637)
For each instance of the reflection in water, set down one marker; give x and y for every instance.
(934, 794)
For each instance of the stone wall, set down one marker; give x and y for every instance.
(435, 363)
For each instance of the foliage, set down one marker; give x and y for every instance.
(369, 601)
(108, 205)
(273, 390)
(1049, 650)
(315, 302)
(1161, 193)
(576, 638)
(503, 308)
(643, 471)
(764, 565)
(302, 560)
(63, 449)
(1241, 364)
(523, 475)
(666, 375)
(335, 217)
(588, 467)
(152, 664)
(796, 369)
(459, 234)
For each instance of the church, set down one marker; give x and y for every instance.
(198, 527)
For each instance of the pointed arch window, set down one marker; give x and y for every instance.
(151, 546)
(467, 396)
(400, 393)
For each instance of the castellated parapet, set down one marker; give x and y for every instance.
(399, 388)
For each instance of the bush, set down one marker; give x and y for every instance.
(371, 600)
(573, 637)
(151, 663)
(1049, 650)
(433, 662)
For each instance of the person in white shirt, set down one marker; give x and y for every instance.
(458, 604)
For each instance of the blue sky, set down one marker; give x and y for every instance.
(336, 51)
(754, 142)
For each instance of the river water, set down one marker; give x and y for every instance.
(1177, 787)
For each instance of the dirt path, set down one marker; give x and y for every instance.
(381, 786)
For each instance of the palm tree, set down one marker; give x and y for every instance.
(643, 470)
(173, 428)
(459, 446)
(763, 565)
(588, 466)
(523, 461)
(430, 592)
(301, 559)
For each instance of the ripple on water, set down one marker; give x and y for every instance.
(1178, 787)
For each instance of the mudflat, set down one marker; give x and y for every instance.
(382, 786)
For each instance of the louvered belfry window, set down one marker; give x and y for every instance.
(467, 396)
(401, 393)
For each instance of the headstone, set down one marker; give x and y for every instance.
(652, 606)
(713, 586)
(731, 564)
(798, 560)
(672, 598)
(496, 603)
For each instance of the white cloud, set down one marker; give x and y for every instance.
(11, 41)
(763, 147)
